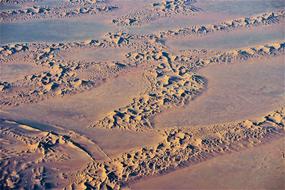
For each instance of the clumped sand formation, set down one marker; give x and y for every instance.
(157, 10)
(169, 86)
(174, 85)
(182, 147)
(262, 19)
(173, 6)
(39, 145)
(241, 54)
(10, 49)
(60, 77)
(77, 8)
(4, 86)
(60, 156)
(30, 152)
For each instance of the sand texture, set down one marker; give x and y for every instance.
(142, 94)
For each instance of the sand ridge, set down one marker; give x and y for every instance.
(67, 9)
(157, 10)
(181, 147)
(253, 21)
(175, 85)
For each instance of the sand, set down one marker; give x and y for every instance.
(258, 168)
(235, 92)
(89, 54)
(81, 109)
(17, 70)
(148, 94)
(231, 40)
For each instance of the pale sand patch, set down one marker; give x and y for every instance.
(17, 69)
(256, 168)
(235, 92)
(56, 30)
(114, 142)
(94, 54)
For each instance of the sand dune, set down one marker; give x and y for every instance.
(235, 92)
(145, 94)
(228, 172)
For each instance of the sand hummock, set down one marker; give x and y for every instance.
(156, 94)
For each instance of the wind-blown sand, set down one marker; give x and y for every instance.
(231, 40)
(16, 70)
(147, 94)
(235, 92)
(255, 168)
(81, 109)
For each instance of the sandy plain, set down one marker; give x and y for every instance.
(124, 94)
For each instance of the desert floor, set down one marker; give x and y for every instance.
(142, 94)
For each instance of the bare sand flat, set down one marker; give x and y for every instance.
(235, 92)
(94, 54)
(256, 168)
(53, 30)
(16, 71)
